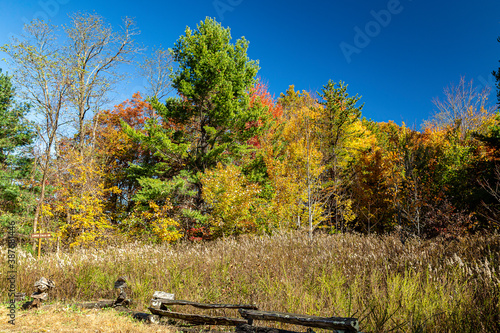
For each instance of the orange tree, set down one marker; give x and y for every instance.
(116, 151)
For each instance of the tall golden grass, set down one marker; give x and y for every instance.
(422, 286)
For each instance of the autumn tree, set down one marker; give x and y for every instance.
(65, 79)
(289, 148)
(342, 138)
(45, 81)
(234, 201)
(253, 163)
(93, 52)
(407, 154)
(116, 151)
(76, 206)
(371, 193)
(156, 70)
(464, 108)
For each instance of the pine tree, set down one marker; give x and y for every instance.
(210, 122)
(496, 74)
(16, 133)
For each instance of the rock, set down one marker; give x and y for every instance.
(120, 283)
(44, 284)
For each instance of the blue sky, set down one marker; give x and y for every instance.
(398, 55)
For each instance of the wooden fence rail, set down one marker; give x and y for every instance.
(199, 319)
(167, 302)
(331, 323)
(159, 307)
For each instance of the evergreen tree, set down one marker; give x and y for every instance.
(496, 74)
(341, 133)
(211, 121)
(16, 133)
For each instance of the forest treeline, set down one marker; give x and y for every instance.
(224, 157)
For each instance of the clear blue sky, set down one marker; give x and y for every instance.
(398, 55)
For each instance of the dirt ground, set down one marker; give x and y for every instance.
(65, 318)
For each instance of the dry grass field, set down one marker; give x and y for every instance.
(64, 318)
(421, 286)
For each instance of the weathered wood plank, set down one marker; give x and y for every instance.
(158, 296)
(245, 328)
(162, 294)
(199, 319)
(333, 323)
(104, 304)
(141, 316)
(201, 305)
(97, 305)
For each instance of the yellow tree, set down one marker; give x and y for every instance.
(343, 136)
(77, 204)
(155, 222)
(371, 193)
(293, 161)
(69, 77)
(233, 201)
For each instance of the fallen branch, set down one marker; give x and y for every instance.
(199, 319)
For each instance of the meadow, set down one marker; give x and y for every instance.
(438, 285)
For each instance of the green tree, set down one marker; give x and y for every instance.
(496, 74)
(16, 133)
(210, 122)
(341, 133)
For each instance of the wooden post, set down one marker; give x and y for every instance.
(39, 246)
(39, 235)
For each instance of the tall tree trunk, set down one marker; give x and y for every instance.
(41, 198)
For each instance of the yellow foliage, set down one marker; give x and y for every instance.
(360, 139)
(233, 200)
(157, 219)
(293, 166)
(164, 227)
(78, 203)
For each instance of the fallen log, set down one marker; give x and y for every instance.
(104, 304)
(332, 323)
(158, 302)
(199, 319)
(97, 305)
